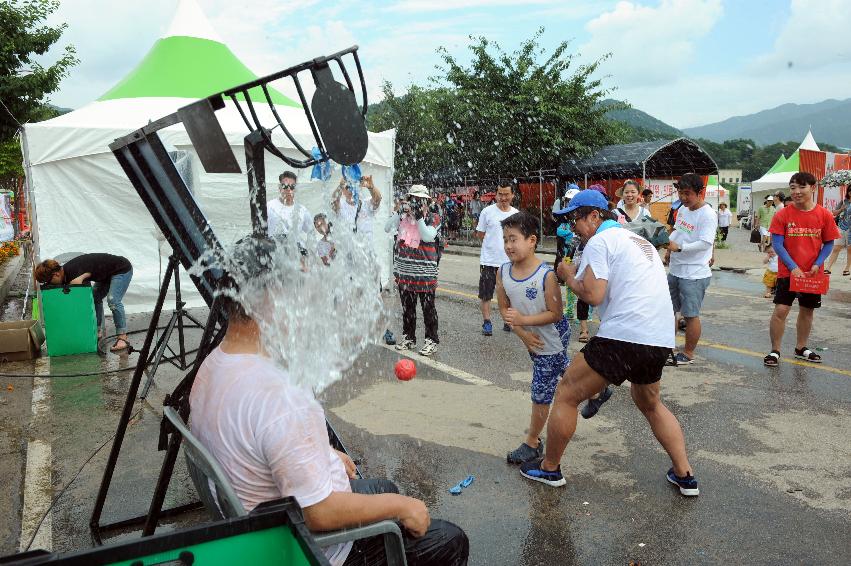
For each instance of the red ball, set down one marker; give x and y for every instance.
(405, 369)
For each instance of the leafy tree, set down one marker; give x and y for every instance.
(504, 115)
(24, 83)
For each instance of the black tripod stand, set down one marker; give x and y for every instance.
(177, 359)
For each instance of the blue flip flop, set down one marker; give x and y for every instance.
(456, 490)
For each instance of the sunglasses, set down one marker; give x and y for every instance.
(287, 186)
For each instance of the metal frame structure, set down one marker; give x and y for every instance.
(339, 131)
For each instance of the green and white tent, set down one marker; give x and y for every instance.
(84, 203)
(777, 178)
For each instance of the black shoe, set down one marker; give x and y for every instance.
(505, 327)
(593, 405)
(525, 453)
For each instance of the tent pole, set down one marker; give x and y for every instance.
(540, 207)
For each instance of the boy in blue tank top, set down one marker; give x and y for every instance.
(530, 302)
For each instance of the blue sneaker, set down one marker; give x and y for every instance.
(593, 405)
(532, 470)
(487, 328)
(687, 485)
(389, 339)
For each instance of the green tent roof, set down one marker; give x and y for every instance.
(791, 165)
(189, 67)
(777, 164)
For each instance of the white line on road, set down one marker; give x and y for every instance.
(440, 366)
(38, 485)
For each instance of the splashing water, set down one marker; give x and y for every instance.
(314, 319)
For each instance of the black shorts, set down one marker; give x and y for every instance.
(619, 361)
(487, 281)
(783, 296)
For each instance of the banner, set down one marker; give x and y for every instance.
(743, 199)
(832, 198)
(663, 189)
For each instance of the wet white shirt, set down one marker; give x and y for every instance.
(283, 219)
(268, 435)
(493, 248)
(694, 231)
(637, 305)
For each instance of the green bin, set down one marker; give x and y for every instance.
(69, 320)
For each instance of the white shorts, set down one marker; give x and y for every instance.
(763, 232)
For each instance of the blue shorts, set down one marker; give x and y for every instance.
(687, 294)
(548, 369)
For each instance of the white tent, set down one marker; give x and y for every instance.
(777, 178)
(83, 202)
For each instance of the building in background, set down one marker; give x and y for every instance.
(730, 175)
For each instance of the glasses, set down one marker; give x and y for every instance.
(287, 186)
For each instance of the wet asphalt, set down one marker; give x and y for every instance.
(769, 446)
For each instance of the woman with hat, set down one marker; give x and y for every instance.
(629, 208)
(415, 260)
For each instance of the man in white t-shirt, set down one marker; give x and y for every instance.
(689, 255)
(489, 230)
(633, 342)
(286, 216)
(270, 437)
(361, 214)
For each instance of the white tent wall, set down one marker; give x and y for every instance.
(84, 203)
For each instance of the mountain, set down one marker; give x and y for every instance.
(829, 120)
(646, 125)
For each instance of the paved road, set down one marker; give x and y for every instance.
(770, 447)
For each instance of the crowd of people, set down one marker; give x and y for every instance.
(270, 437)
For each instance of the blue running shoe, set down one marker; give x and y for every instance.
(687, 485)
(533, 471)
(487, 328)
(593, 405)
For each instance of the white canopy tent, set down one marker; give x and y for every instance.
(777, 178)
(84, 203)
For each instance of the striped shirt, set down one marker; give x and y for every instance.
(415, 269)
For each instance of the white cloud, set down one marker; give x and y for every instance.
(814, 36)
(446, 5)
(650, 45)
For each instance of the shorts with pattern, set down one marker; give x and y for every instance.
(547, 369)
(487, 281)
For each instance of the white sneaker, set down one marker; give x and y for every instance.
(429, 348)
(406, 344)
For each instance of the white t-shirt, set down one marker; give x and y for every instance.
(725, 217)
(693, 226)
(268, 435)
(365, 216)
(637, 306)
(493, 248)
(283, 219)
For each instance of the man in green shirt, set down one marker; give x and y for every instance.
(764, 214)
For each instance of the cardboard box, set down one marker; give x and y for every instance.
(20, 340)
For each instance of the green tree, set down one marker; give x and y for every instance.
(503, 115)
(24, 83)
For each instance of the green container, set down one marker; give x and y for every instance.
(69, 320)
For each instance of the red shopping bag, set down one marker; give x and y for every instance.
(817, 285)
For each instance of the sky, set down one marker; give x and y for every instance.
(686, 62)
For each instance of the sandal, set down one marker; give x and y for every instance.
(767, 295)
(772, 360)
(116, 348)
(827, 272)
(583, 336)
(846, 273)
(808, 355)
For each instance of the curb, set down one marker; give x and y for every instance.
(10, 271)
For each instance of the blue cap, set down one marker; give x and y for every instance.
(588, 197)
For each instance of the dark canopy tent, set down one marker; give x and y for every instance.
(653, 159)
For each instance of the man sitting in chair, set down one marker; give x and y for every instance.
(270, 437)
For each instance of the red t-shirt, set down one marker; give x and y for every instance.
(804, 233)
